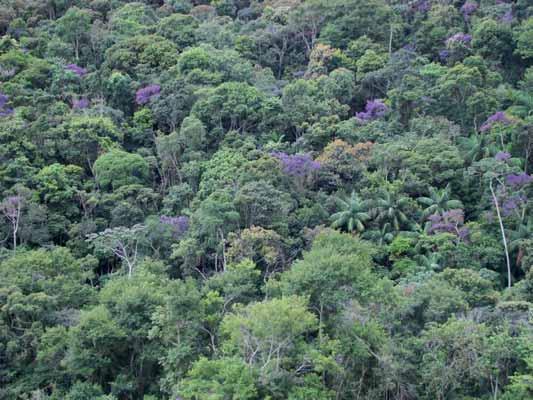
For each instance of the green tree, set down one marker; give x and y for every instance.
(225, 378)
(74, 27)
(118, 168)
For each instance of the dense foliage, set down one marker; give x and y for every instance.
(266, 199)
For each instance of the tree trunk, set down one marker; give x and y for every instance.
(502, 229)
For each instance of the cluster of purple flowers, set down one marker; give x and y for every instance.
(518, 180)
(80, 104)
(11, 206)
(512, 203)
(422, 6)
(4, 109)
(507, 18)
(468, 9)
(76, 69)
(444, 55)
(147, 93)
(179, 225)
(502, 156)
(496, 118)
(374, 109)
(297, 164)
(449, 222)
(462, 38)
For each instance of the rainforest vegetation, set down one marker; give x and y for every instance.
(266, 199)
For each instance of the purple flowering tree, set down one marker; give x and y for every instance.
(374, 109)
(80, 104)
(422, 6)
(507, 17)
(496, 118)
(459, 38)
(468, 9)
(502, 156)
(76, 70)
(4, 109)
(297, 165)
(11, 208)
(147, 93)
(179, 225)
(451, 221)
(495, 124)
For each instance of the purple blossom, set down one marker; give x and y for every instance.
(4, 110)
(496, 118)
(449, 222)
(507, 18)
(444, 55)
(76, 69)
(463, 38)
(80, 104)
(502, 156)
(297, 164)
(468, 9)
(464, 233)
(518, 180)
(147, 93)
(435, 218)
(410, 47)
(422, 6)
(179, 225)
(3, 99)
(11, 207)
(508, 206)
(374, 109)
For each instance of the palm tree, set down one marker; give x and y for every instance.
(390, 209)
(431, 262)
(438, 202)
(522, 103)
(351, 215)
(380, 236)
(477, 147)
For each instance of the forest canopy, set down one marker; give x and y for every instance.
(266, 199)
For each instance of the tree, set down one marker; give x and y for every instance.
(351, 215)
(118, 168)
(523, 36)
(179, 28)
(390, 208)
(11, 208)
(96, 346)
(122, 242)
(438, 201)
(225, 378)
(267, 333)
(74, 26)
(337, 268)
